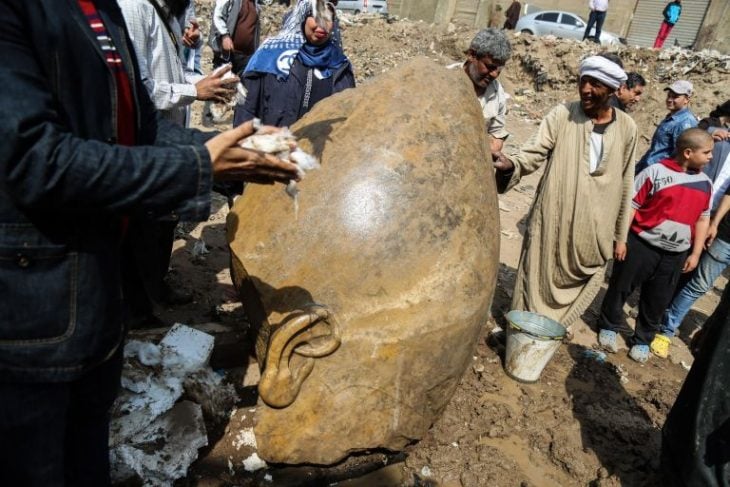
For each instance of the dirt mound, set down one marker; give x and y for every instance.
(541, 73)
(543, 70)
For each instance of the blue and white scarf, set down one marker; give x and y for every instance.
(277, 54)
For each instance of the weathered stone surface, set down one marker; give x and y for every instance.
(396, 241)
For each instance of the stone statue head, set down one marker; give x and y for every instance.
(369, 300)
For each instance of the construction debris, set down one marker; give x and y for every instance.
(152, 435)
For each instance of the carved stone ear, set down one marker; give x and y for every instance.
(309, 334)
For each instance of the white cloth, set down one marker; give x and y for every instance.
(600, 5)
(596, 152)
(603, 70)
(494, 109)
(160, 64)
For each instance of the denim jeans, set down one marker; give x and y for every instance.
(711, 265)
(597, 18)
(57, 434)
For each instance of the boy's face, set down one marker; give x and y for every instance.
(699, 157)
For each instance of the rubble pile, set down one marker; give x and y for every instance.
(542, 71)
(168, 390)
(685, 62)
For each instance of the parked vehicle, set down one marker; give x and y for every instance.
(357, 6)
(560, 24)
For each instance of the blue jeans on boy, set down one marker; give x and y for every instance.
(711, 265)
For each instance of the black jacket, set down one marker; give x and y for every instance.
(64, 186)
(696, 434)
(279, 103)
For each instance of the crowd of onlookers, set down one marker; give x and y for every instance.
(661, 217)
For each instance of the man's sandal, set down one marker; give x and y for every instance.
(640, 353)
(660, 345)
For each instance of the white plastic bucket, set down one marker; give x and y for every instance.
(532, 339)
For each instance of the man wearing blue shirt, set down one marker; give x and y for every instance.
(679, 119)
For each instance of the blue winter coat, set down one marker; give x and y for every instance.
(672, 12)
(279, 103)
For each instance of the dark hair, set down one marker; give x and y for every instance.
(692, 138)
(613, 57)
(721, 110)
(708, 122)
(634, 79)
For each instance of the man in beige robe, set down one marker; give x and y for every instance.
(580, 216)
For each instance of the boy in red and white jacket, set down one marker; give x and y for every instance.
(669, 222)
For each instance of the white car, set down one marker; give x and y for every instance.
(560, 24)
(357, 6)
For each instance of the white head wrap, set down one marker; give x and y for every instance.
(605, 71)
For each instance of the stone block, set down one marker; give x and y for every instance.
(368, 301)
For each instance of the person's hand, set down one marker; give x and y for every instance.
(214, 87)
(711, 234)
(192, 34)
(227, 43)
(495, 145)
(721, 134)
(501, 162)
(232, 163)
(619, 251)
(690, 263)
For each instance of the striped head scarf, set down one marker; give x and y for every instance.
(276, 54)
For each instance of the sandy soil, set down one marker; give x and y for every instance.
(586, 422)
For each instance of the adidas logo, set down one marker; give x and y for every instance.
(671, 241)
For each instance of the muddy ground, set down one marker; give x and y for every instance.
(585, 422)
